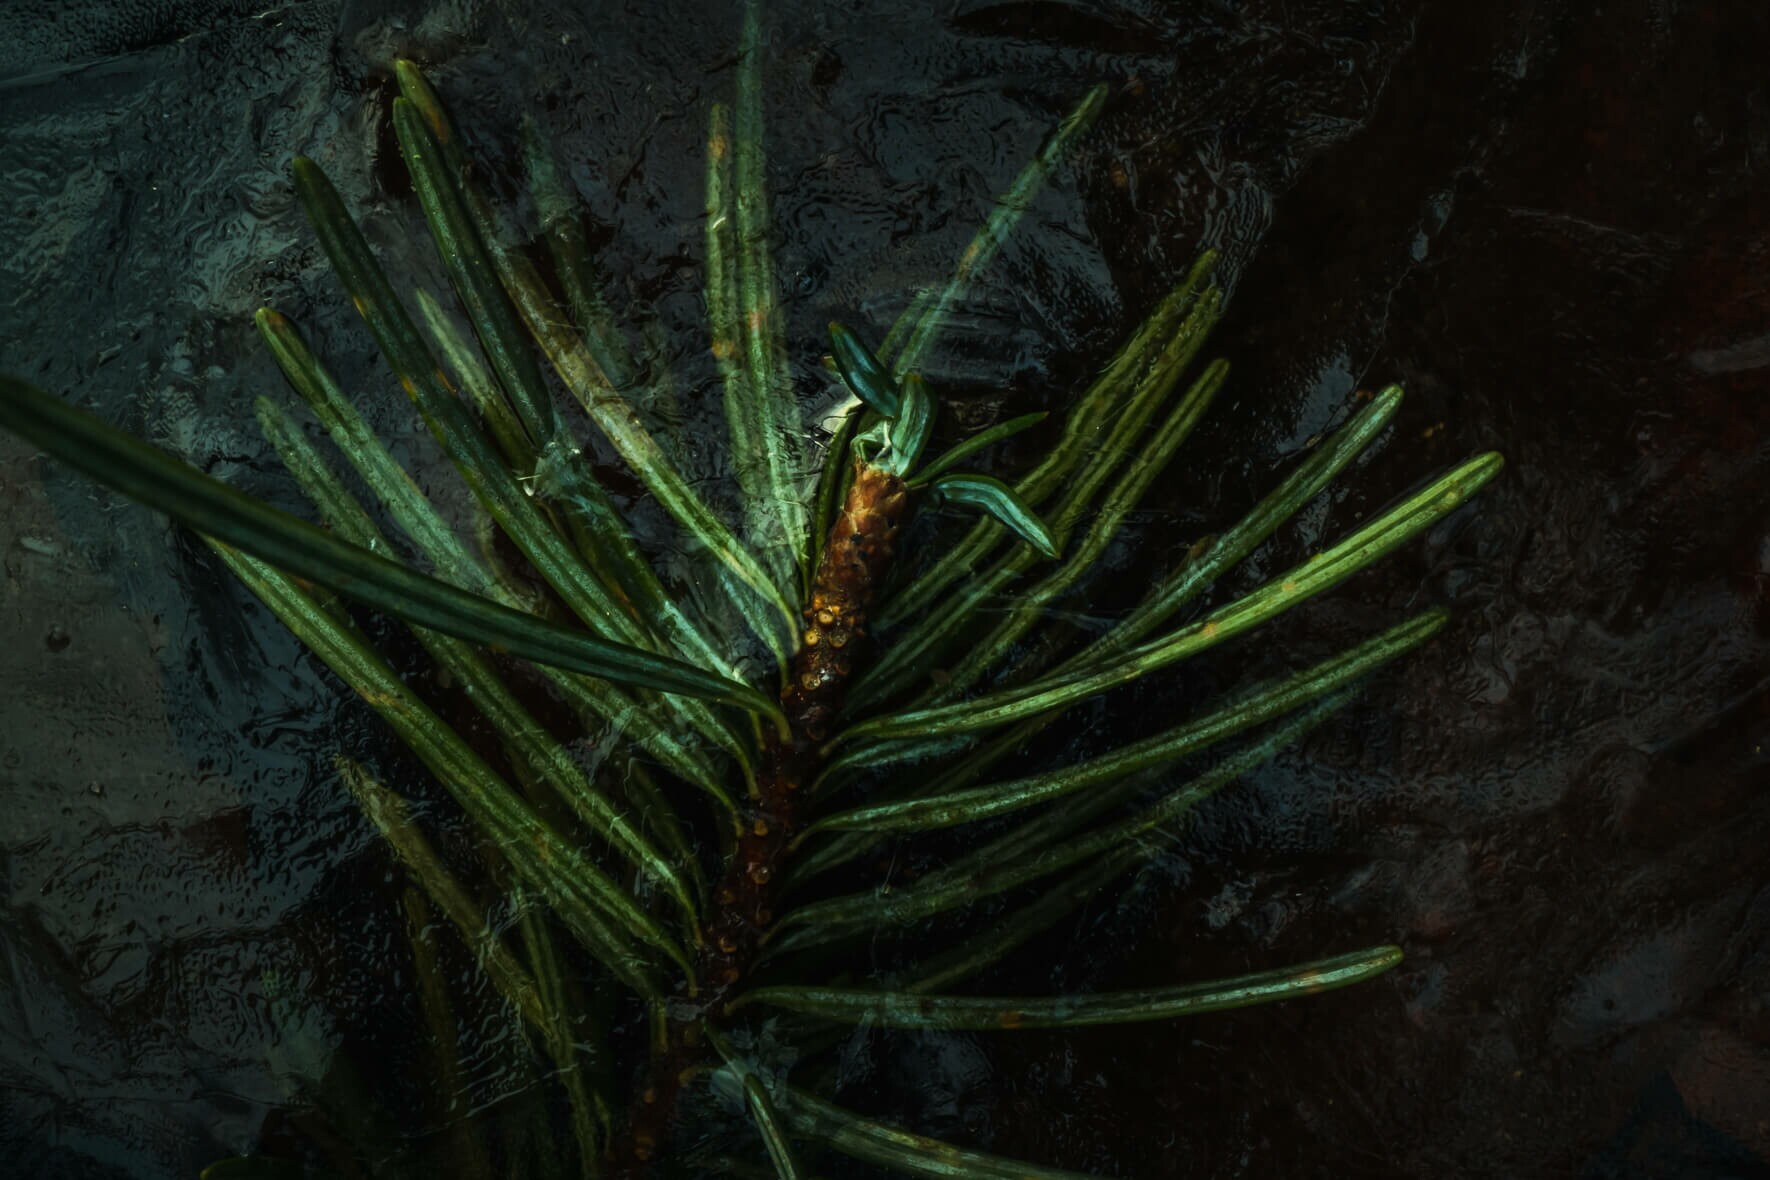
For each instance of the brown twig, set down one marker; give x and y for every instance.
(856, 557)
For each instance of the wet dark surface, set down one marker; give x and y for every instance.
(1547, 221)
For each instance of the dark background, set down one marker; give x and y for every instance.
(1549, 221)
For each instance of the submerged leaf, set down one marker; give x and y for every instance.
(725, 322)
(461, 360)
(424, 525)
(254, 1167)
(759, 1099)
(765, 351)
(902, 1151)
(1000, 501)
(553, 458)
(562, 223)
(466, 1146)
(774, 1134)
(388, 812)
(522, 733)
(989, 946)
(585, 379)
(493, 484)
(576, 1038)
(931, 313)
(592, 599)
(580, 893)
(535, 995)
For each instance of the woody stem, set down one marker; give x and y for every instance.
(856, 557)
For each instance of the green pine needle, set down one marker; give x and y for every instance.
(918, 1010)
